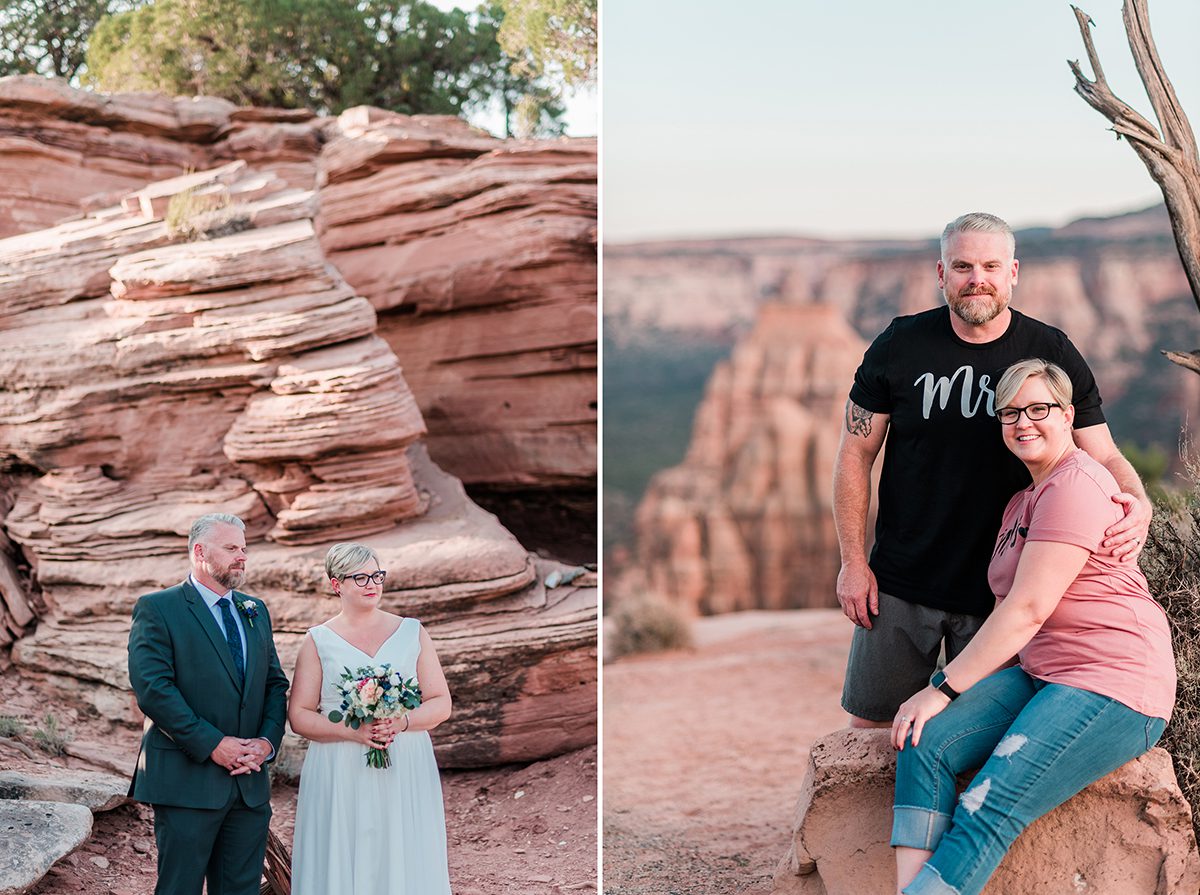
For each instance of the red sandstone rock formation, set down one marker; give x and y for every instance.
(1128, 832)
(745, 522)
(63, 149)
(478, 254)
(480, 257)
(146, 381)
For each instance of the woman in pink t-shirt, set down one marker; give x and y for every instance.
(1094, 684)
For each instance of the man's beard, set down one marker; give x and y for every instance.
(228, 577)
(968, 306)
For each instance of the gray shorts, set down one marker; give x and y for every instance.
(893, 660)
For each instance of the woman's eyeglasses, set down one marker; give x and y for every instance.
(362, 579)
(1035, 412)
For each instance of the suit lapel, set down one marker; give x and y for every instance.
(204, 616)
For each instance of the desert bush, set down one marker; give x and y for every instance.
(51, 738)
(1171, 562)
(644, 623)
(192, 216)
(10, 726)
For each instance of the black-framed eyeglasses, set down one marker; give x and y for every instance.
(362, 578)
(1039, 411)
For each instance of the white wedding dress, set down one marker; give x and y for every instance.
(362, 830)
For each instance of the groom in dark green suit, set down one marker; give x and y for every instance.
(203, 667)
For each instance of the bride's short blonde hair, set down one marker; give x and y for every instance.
(1055, 377)
(345, 558)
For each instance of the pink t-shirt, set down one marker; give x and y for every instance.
(1107, 634)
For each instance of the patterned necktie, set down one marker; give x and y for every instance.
(233, 639)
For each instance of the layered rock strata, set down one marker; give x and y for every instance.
(63, 150)
(160, 379)
(745, 522)
(478, 254)
(480, 258)
(1128, 832)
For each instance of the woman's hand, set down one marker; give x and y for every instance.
(385, 729)
(368, 736)
(914, 713)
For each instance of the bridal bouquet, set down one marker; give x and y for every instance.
(370, 694)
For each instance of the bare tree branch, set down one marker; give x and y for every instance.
(1171, 157)
(1189, 360)
(1176, 130)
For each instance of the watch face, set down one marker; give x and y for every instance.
(938, 682)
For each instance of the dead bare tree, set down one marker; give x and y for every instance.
(1171, 156)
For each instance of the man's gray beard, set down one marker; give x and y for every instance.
(231, 578)
(975, 312)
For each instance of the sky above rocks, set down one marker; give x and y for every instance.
(871, 118)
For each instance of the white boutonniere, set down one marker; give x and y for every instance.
(249, 611)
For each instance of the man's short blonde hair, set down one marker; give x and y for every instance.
(978, 222)
(1055, 377)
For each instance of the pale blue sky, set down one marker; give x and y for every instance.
(868, 118)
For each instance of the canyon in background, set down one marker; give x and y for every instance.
(727, 364)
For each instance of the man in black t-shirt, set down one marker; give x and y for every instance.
(925, 385)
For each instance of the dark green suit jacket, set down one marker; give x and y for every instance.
(185, 682)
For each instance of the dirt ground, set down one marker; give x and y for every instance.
(705, 749)
(513, 830)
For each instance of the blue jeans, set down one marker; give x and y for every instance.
(1038, 745)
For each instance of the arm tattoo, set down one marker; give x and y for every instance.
(858, 420)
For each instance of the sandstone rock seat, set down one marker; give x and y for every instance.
(1129, 833)
(33, 836)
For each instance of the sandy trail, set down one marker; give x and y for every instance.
(705, 750)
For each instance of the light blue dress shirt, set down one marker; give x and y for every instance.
(210, 600)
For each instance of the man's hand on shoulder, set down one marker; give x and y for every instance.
(858, 593)
(1125, 538)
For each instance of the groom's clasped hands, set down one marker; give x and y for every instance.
(241, 756)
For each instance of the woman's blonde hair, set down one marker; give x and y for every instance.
(344, 558)
(1055, 377)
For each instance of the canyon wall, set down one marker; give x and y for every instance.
(745, 522)
(477, 254)
(147, 377)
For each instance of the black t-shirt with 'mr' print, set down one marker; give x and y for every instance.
(947, 475)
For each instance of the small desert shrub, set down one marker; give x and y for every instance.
(644, 623)
(10, 726)
(192, 216)
(51, 738)
(1171, 562)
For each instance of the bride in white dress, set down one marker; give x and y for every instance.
(363, 830)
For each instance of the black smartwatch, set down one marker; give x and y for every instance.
(938, 682)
